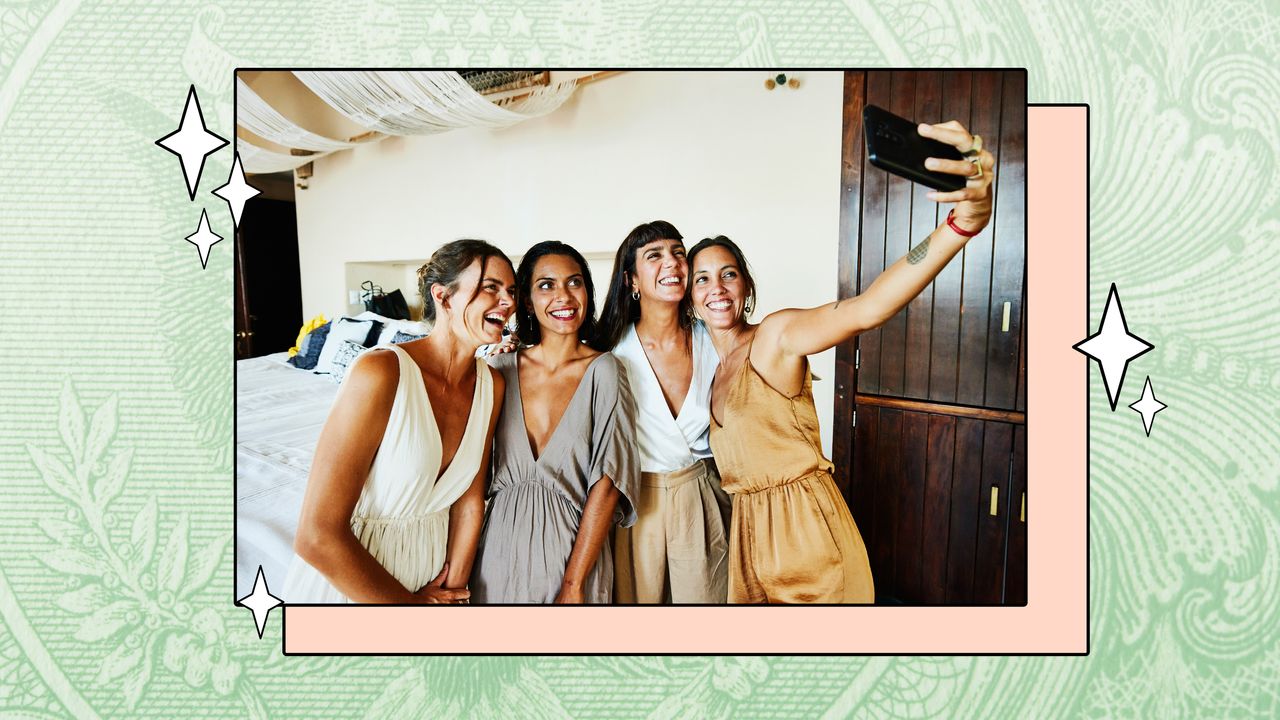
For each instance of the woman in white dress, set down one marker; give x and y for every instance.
(395, 500)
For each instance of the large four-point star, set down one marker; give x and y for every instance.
(192, 142)
(204, 238)
(1147, 406)
(1113, 346)
(236, 191)
(260, 601)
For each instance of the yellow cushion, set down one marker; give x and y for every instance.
(307, 327)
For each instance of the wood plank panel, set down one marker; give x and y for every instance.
(907, 543)
(976, 294)
(891, 479)
(866, 475)
(988, 567)
(936, 521)
(897, 238)
(1008, 416)
(924, 219)
(966, 483)
(944, 347)
(1021, 403)
(1015, 583)
(1009, 246)
(851, 152)
(871, 253)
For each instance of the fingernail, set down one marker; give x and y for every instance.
(930, 163)
(922, 127)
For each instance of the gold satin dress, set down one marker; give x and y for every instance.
(792, 538)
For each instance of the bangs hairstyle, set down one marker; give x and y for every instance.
(527, 327)
(619, 309)
(738, 258)
(447, 263)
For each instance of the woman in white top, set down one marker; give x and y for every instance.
(677, 551)
(395, 499)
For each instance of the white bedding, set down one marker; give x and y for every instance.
(279, 412)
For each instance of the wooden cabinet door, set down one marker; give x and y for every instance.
(938, 392)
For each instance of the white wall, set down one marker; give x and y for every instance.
(712, 152)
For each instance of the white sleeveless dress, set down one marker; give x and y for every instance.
(402, 516)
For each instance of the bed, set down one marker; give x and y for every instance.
(279, 413)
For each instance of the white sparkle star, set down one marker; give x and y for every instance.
(499, 57)
(519, 24)
(480, 23)
(1113, 346)
(260, 601)
(459, 56)
(1147, 406)
(438, 23)
(236, 191)
(191, 142)
(204, 238)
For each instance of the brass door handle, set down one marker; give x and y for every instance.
(1023, 515)
(995, 500)
(244, 334)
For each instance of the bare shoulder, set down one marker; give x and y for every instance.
(373, 371)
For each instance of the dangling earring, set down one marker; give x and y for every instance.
(749, 307)
(635, 294)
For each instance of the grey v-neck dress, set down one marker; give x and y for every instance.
(535, 505)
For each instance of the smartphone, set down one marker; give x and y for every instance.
(894, 145)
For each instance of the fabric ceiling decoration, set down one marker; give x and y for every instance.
(257, 161)
(255, 115)
(420, 103)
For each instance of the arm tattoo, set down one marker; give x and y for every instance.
(917, 254)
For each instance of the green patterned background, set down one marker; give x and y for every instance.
(116, 430)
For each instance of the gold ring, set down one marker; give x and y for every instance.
(975, 148)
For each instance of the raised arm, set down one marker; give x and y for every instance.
(597, 518)
(466, 516)
(805, 332)
(348, 443)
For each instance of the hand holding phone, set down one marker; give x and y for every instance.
(894, 144)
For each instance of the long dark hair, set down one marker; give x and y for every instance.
(619, 309)
(527, 327)
(447, 263)
(749, 305)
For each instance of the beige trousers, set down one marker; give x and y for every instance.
(677, 552)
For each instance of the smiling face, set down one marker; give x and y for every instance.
(660, 271)
(483, 302)
(558, 296)
(719, 290)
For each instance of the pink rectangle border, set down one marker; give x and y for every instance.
(1055, 619)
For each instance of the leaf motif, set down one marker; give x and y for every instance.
(205, 563)
(101, 429)
(55, 473)
(104, 622)
(135, 682)
(120, 661)
(113, 481)
(173, 559)
(143, 534)
(73, 562)
(625, 666)
(82, 601)
(71, 419)
(60, 531)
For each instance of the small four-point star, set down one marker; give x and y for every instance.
(236, 191)
(192, 142)
(260, 601)
(204, 238)
(1113, 346)
(1147, 406)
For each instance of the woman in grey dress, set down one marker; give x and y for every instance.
(565, 469)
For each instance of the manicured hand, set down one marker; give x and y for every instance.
(973, 201)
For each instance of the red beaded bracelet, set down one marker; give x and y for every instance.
(951, 223)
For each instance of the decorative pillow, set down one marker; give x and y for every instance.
(342, 329)
(307, 357)
(307, 327)
(408, 327)
(404, 337)
(344, 358)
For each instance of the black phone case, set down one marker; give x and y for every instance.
(894, 145)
